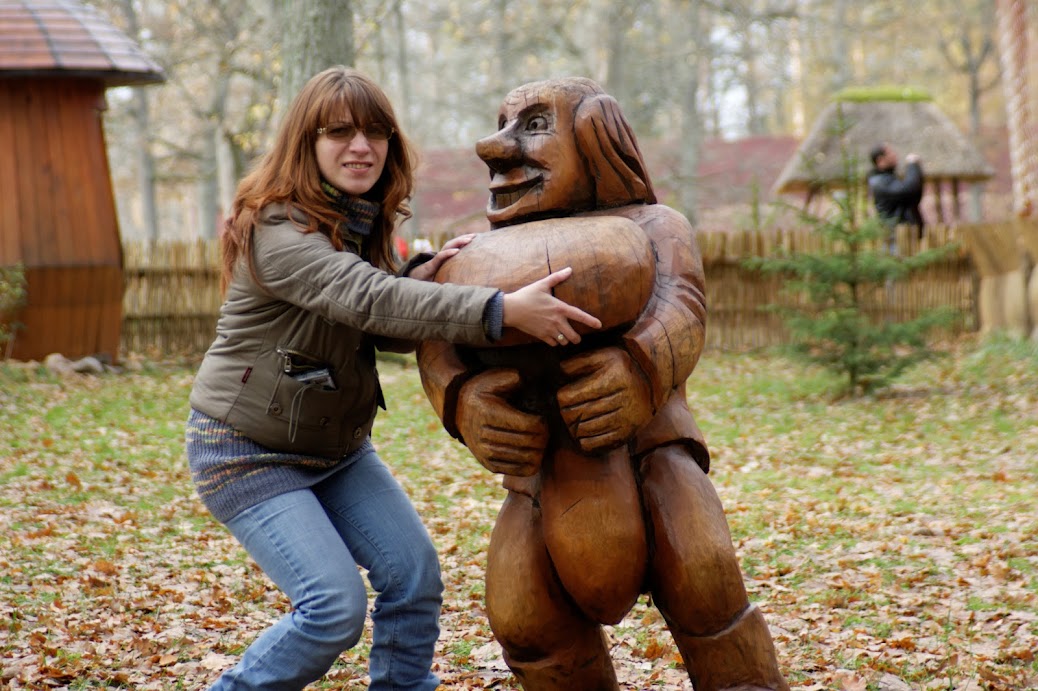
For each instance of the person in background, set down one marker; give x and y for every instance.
(278, 437)
(896, 198)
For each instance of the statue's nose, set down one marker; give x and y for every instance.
(499, 151)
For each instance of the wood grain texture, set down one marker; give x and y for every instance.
(594, 531)
(614, 269)
(58, 217)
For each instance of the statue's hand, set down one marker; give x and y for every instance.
(607, 401)
(502, 438)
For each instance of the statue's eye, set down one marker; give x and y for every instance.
(537, 123)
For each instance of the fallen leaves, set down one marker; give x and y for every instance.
(892, 543)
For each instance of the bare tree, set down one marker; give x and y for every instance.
(969, 50)
(617, 20)
(691, 129)
(403, 64)
(141, 119)
(840, 46)
(681, 69)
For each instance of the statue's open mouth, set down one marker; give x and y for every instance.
(504, 196)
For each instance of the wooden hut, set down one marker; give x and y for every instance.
(849, 128)
(57, 210)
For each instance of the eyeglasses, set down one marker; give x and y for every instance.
(346, 131)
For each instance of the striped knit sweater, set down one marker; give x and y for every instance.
(231, 472)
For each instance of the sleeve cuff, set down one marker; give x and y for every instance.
(494, 317)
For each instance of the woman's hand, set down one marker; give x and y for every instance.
(426, 271)
(534, 310)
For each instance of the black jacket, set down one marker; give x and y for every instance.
(897, 199)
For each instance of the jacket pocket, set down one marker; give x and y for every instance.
(307, 407)
(288, 415)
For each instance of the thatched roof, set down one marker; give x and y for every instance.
(68, 38)
(857, 126)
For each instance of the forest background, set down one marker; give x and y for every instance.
(719, 91)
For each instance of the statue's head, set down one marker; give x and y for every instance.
(562, 146)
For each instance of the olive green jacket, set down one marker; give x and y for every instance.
(318, 308)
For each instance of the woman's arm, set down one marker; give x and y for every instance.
(304, 269)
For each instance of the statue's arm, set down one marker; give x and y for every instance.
(667, 339)
(443, 374)
(474, 409)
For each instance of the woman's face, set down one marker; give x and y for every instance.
(349, 158)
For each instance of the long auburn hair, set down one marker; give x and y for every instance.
(289, 174)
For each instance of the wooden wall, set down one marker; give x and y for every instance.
(58, 218)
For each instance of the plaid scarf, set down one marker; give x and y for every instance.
(358, 215)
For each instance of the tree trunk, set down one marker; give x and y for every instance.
(798, 39)
(142, 131)
(751, 80)
(618, 20)
(316, 35)
(503, 63)
(691, 134)
(145, 164)
(976, 189)
(404, 107)
(208, 188)
(841, 52)
(209, 209)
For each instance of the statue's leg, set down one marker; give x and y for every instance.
(696, 582)
(594, 530)
(548, 643)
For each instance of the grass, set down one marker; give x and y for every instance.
(890, 535)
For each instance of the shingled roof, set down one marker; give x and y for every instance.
(857, 126)
(67, 38)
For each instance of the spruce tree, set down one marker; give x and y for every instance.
(829, 324)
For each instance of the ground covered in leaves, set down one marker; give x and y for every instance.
(892, 542)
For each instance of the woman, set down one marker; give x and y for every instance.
(283, 403)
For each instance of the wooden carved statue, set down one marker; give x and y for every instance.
(605, 467)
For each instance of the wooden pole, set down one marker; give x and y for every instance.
(938, 201)
(956, 202)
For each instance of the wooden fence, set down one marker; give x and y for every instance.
(172, 295)
(737, 295)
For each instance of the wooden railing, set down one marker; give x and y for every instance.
(172, 295)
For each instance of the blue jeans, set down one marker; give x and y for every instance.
(310, 542)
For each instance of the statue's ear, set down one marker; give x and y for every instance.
(608, 145)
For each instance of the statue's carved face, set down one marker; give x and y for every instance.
(535, 168)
